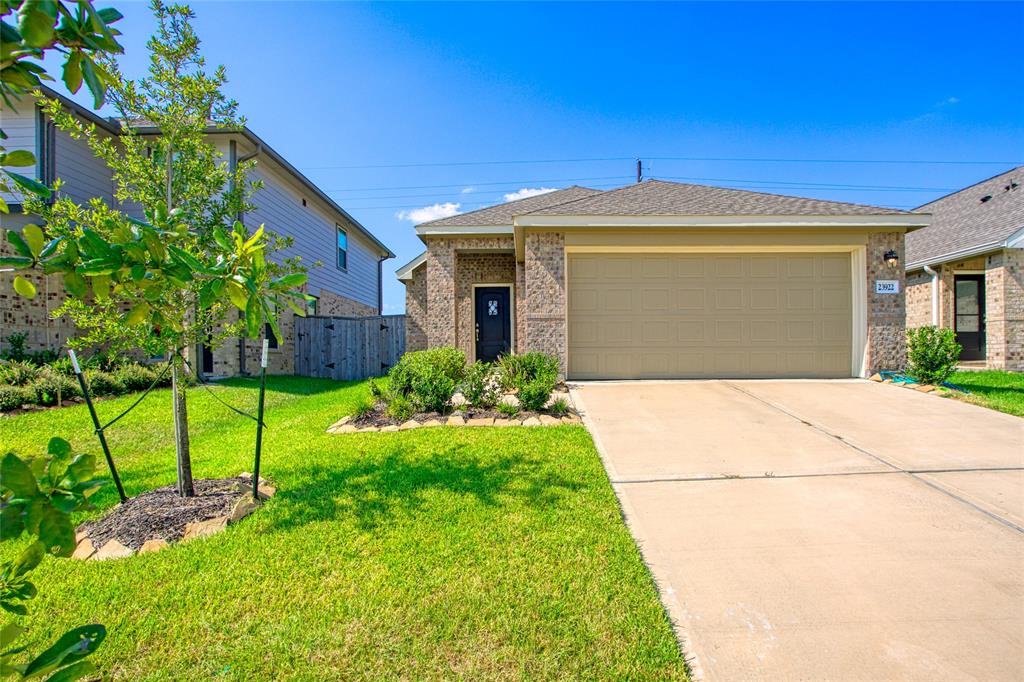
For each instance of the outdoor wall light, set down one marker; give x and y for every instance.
(892, 259)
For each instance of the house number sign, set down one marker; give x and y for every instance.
(887, 286)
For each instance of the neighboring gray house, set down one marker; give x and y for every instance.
(965, 271)
(346, 283)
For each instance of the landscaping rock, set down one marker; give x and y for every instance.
(112, 550)
(265, 492)
(456, 420)
(369, 429)
(202, 529)
(83, 550)
(570, 419)
(876, 377)
(411, 424)
(506, 422)
(347, 428)
(480, 421)
(154, 545)
(532, 421)
(389, 427)
(548, 420)
(340, 422)
(926, 388)
(242, 508)
(433, 422)
(510, 399)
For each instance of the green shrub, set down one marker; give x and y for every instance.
(932, 354)
(135, 377)
(13, 397)
(518, 370)
(400, 408)
(103, 383)
(479, 386)
(15, 347)
(508, 409)
(63, 366)
(18, 372)
(51, 385)
(363, 409)
(377, 391)
(428, 378)
(559, 407)
(534, 394)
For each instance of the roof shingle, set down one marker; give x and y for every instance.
(962, 221)
(659, 197)
(502, 213)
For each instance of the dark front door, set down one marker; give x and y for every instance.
(207, 359)
(493, 323)
(969, 315)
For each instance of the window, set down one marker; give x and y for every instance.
(311, 307)
(268, 332)
(342, 249)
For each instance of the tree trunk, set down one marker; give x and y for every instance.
(181, 448)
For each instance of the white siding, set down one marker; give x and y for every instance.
(20, 127)
(279, 207)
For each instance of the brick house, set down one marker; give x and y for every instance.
(661, 279)
(347, 282)
(965, 271)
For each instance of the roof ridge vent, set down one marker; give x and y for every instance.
(986, 198)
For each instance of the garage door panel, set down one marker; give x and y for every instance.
(709, 315)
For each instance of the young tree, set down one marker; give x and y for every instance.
(167, 283)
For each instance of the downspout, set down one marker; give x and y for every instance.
(380, 285)
(935, 294)
(233, 166)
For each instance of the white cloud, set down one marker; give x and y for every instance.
(428, 213)
(467, 190)
(528, 192)
(953, 100)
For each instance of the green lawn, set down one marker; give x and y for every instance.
(430, 554)
(1003, 391)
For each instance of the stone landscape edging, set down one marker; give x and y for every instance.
(242, 507)
(344, 424)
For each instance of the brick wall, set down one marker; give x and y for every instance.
(919, 299)
(416, 310)
(332, 304)
(886, 313)
(1004, 310)
(545, 295)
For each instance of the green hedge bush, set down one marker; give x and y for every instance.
(13, 397)
(428, 378)
(479, 386)
(932, 354)
(533, 375)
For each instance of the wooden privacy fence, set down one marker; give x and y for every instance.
(348, 347)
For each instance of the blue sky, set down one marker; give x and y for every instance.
(340, 87)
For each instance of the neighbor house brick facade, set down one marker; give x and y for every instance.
(343, 257)
(662, 279)
(965, 271)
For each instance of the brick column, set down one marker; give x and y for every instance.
(886, 324)
(1004, 310)
(545, 295)
(441, 322)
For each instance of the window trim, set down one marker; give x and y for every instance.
(338, 250)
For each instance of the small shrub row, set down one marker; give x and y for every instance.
(23, 383)
(932, 354)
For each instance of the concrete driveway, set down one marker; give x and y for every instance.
(814, 530)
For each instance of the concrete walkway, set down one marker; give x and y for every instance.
(816, 530)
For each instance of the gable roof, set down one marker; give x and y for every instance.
(660, 197)
(115, 127)
(502, 214)
(965, 222)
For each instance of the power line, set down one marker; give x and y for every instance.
(478, 184)
(439, 164)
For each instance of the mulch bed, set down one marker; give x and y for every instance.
(378, 417)
(161, 513)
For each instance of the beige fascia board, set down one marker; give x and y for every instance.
(881, 221)
(462, 230)
(404, 273)
(968, 252)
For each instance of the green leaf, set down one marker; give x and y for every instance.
(15, 262)
(24, 287)
(36, 20)
(81, 468)
(33, 235)
(237, 295)
(74, 645)
(93, 82)
(222, 239)
(51, 247)
(58, 448)
(292, 281)
(19, 157)
(253, 317)
(109, 15)
(73, 72)
(256, 236)
(138, 314)
(17, 477)
(75, 284)
(28, 559)
(101, 287)
(9, 633)
(19, 244)
(56, 531)
(11, 523)
(29, 185)
(75, 671)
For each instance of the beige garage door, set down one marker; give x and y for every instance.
(709, 315)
